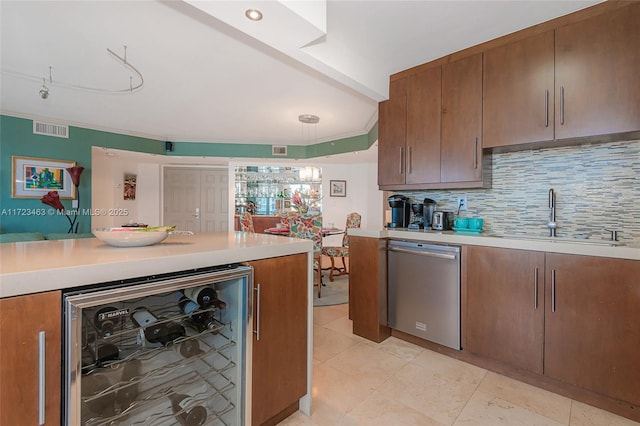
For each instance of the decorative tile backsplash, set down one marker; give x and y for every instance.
(597, 188)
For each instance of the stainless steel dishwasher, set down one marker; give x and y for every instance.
(424, 291)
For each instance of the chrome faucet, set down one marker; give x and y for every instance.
(552, 215)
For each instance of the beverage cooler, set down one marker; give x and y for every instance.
(171, 349)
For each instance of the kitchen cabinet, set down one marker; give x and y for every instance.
(518, 92)
(597, 68)
(368, 287)
(279, 369)
(26, 323)
(592, 326)
(579, 80)
(505, 305)
(461, 143)
(392, 128)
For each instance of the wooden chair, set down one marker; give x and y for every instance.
(310, 228)
(246, 222)
(353, 221)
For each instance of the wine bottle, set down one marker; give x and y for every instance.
(128, 393)
(187, 414)
(205, 296)
(190, 348)
(95, 384)
(157, 332)
(200, 320)
(106, 320)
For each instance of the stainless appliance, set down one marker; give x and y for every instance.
(424, 291)
(160, 350)
(400, 211)
(429, 206)
(442, 221)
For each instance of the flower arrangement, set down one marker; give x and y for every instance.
(52, 198)
(302, 203)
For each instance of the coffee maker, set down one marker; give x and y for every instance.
(400, 210)
(417, 220)
(429, 206)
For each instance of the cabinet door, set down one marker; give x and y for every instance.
(279, 376)
(423, 126)
(392, 127)
(461, 143)
(592, 324)
(518, 92)
(22, 319)
(505, 305)
(598, 75)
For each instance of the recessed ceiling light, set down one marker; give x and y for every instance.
(253, 14)
(308, 118)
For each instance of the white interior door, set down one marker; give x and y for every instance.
(196, 199)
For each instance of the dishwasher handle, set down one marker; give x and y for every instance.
(424, 253)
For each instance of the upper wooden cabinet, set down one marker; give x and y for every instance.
(392, 130)
(518, 92)
(579, 80)
(461, 143)
(597, 69)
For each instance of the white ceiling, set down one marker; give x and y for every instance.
(207, 79)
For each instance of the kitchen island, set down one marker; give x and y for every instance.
(561, 314)
(33, 275)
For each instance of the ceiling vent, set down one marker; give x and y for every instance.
(49, 129)
(278, 150)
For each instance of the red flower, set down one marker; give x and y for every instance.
(75, 173)
(53, 199)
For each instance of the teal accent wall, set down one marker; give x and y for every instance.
(17, 139)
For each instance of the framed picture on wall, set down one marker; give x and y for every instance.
(130, 187)
(34, 177)
(338, 188)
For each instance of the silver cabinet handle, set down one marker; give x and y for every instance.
(410, 161)
(41, 376)
(475, 153)
(257, 330)
(561, 104)
(535, 289)
(546, 108)
(553, 290)
(400, 163)
(424, 253)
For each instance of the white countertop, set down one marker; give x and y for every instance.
(35, 266)
(451, 237)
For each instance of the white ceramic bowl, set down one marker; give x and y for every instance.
(129, 237)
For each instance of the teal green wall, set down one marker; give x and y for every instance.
(17, 138)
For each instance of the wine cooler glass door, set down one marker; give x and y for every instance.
(163, 352)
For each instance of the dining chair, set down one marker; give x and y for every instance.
(310, 228)
(246, 222)
(353, 221)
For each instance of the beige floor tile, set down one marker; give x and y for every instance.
(336, 392)
(437, 396)
(586, 415)
(368, 364)
(385, 411)
(325, 314)
(448, 366)
(344, 326)
(328, 343)
(545, 403)
(484, 409)
(321, 415)
(400, 348)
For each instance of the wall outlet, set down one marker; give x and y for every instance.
(462, 202)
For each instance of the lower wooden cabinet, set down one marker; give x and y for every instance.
(368, 287)
(505, 306)
(592, 324)
(22, 320)
(279, 376)
(580, 324)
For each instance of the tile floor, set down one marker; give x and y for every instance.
(395, 383)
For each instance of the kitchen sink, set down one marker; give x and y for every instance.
(548, 239)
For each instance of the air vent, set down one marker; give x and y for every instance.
(278, 150)
(49, 129)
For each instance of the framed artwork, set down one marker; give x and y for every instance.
(130, 187)
(34, 177)
(338, 188)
